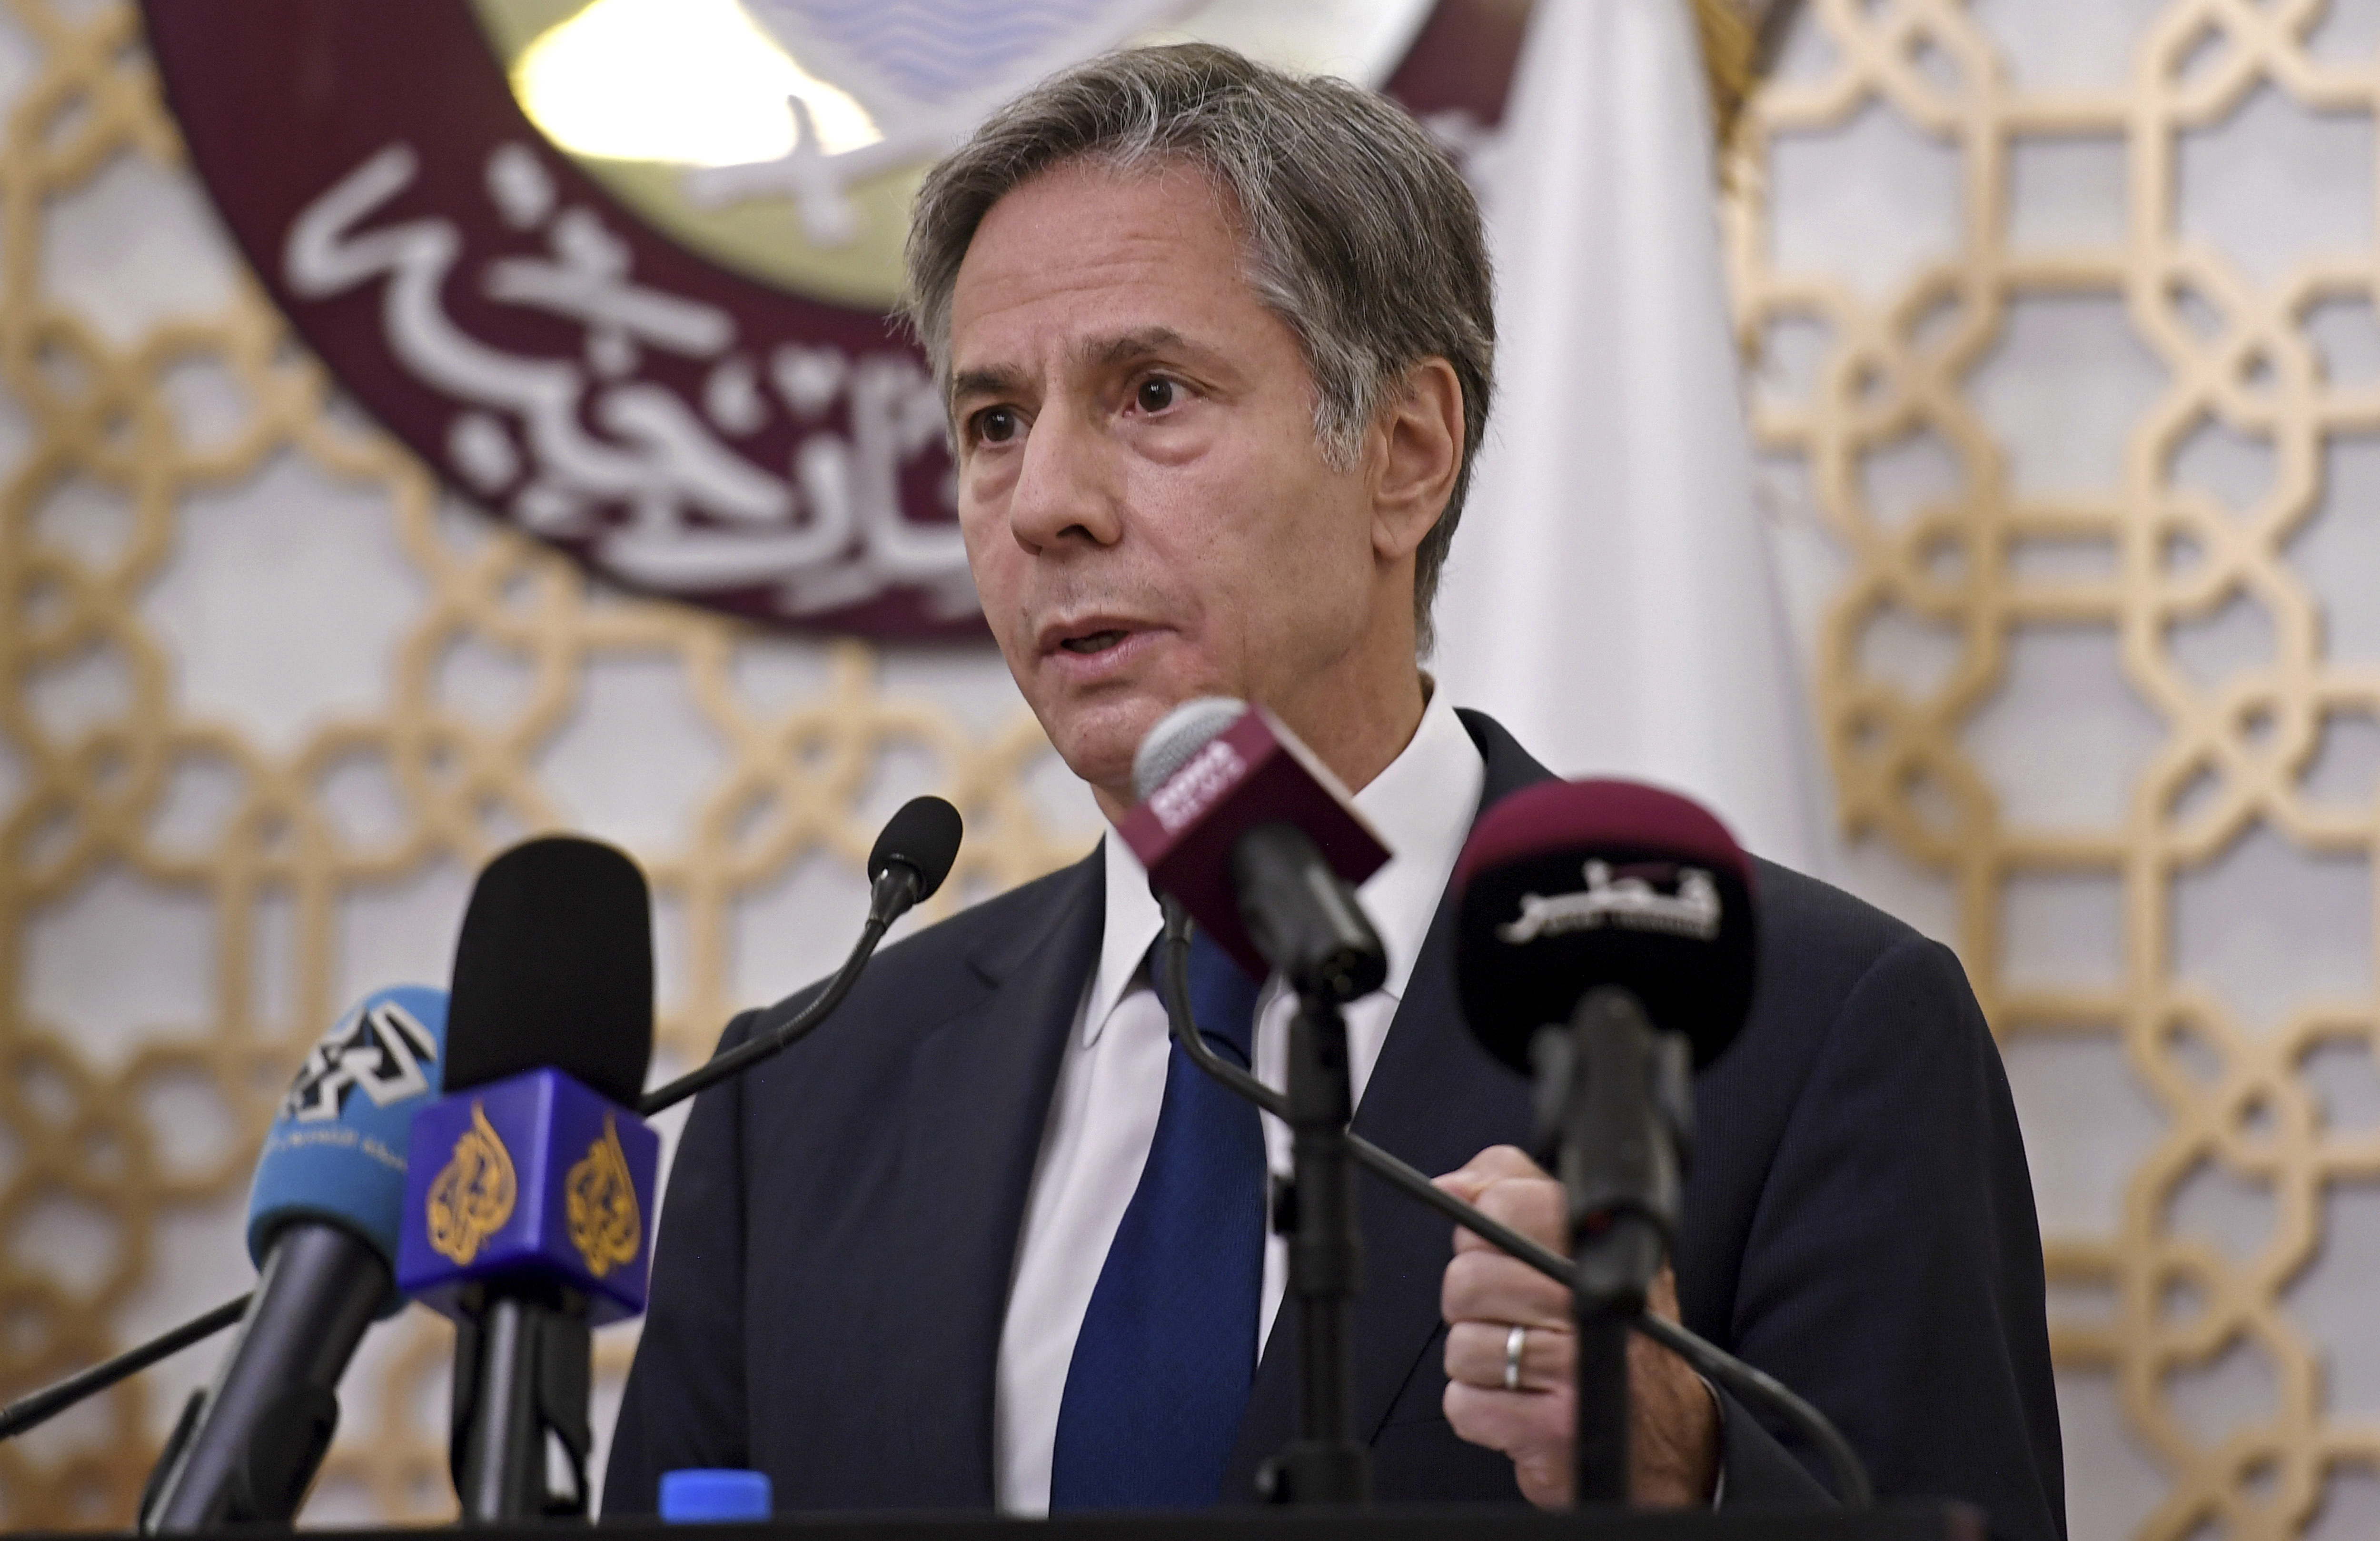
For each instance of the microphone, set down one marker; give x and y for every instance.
(527, 1211)
(1567, 885)
(912, 856)
(554, 967)
(1605, 935)
(908, 865)
(1715, 1363)
(324, 1215)
(523, 1240)
(1260, 842)
(1243, 828)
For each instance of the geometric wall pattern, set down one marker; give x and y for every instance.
(267, 705)
(2067, 389)
(2065, 324)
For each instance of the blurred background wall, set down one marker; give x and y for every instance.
(2065, 387)
(2069, 376)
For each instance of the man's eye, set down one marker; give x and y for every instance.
(995, 425)
(1156, 395)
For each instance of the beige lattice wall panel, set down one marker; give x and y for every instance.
(448, 687)
(2156, 252)
(2085, 397)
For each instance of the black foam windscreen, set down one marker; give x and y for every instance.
(1568, 885)
(554, 967)
(923, 836)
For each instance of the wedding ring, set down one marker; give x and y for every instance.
(1514, 1342)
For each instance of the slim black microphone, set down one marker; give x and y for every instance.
(323, 1217)
(911, 859)
(912, 856)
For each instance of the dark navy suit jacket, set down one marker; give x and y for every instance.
(841, 1223)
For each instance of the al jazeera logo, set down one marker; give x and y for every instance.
(473, 1194)
(599, 1199)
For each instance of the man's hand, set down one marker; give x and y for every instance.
(1673, 1426)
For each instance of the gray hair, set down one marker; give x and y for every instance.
(1358, 231)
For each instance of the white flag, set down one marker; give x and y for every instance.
(1611, 596)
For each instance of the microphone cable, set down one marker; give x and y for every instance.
(1707, 1359)
(36, 1408)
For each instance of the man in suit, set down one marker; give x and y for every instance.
(1218, 345)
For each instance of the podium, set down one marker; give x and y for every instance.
(1902, 1522)
(1899, 1521)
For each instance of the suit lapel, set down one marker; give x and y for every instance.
(1436, 1099)
(973, 1116)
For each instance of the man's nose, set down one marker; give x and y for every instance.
(1064, 490)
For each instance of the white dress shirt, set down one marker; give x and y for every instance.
(1112, 1083)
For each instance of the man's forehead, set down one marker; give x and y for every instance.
(1086, 265)
(1175, 184)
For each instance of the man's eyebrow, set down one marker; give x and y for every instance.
(1008, 380)
(1111, 351)
(997, 380)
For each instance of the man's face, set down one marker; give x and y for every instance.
(1147, 513)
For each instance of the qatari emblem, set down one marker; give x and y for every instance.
(619, 269)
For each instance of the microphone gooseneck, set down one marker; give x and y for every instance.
(910, 861)
(745, 1056)
(1748, 1383)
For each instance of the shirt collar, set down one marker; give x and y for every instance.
(1422, 805)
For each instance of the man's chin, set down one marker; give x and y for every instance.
(1098, 744)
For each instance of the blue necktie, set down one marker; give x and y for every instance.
(1168, 1350)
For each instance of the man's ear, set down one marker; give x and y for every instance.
(1416, 446)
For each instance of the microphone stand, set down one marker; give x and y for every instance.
(522, 1379)
(1314, 1210)
(1747, 1383)
(1614, 1095)
(1326, 1464)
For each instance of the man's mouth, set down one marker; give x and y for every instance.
(1094, 642)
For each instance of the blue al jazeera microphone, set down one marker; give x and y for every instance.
(528, 1210)
(322, 1221)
